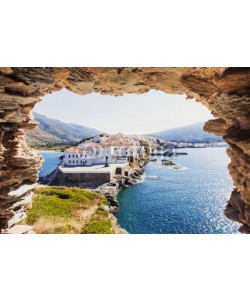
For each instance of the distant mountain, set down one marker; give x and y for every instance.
(51, 131)
(190, 134)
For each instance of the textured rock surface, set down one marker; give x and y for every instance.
(225, 91)
(20, 229)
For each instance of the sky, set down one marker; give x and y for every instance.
(129, 114)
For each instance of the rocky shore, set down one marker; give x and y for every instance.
(109, 189)
(116, 228)
(112, 188)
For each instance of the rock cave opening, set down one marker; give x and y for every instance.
(224, 91)
(130, 114)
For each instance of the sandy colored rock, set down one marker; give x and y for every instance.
(225, 91)
(20, 229)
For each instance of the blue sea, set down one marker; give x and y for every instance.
(51, 161)
(191, 200)
(180, 201)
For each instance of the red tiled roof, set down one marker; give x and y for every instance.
(76, 150)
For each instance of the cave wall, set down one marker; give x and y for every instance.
(225, 91)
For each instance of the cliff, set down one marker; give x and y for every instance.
(225, 91)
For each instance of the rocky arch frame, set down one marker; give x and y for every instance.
(225, 91)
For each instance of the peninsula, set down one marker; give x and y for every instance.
(103, 163)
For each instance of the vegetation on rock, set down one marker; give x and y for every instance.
(58, 209)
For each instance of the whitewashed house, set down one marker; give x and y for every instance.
(115, 149)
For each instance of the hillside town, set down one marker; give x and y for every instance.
(103, 163)
(108, 162)
(104, 149)
(99, 160)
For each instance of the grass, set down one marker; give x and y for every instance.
(68, 210)
(100, 223)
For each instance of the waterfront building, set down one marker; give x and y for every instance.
(113, 149)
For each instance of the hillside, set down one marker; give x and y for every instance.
(51, 131)
(38, 137)
(190, 134)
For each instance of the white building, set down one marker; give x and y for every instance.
(114, 149)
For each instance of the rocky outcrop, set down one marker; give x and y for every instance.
(167, 162)
(118, 182)
(225, 91)
(116, 228)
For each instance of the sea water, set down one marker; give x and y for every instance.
(51, 160)
(189, 200)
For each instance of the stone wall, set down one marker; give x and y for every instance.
(77, 178)
(225, 91)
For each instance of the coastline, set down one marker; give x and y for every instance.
(116, 228)
(156, 205)
(109, 189)
(111, 193)
(193, 164)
